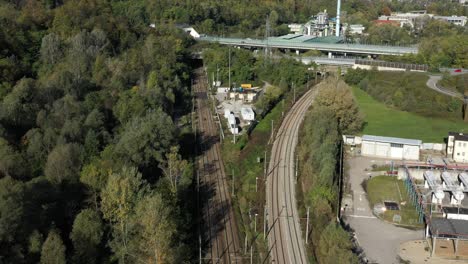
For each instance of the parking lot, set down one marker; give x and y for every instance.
(379, 240)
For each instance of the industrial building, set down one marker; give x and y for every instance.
(441, 203)
(390, 147)
(247, 114)
(413, 19)
(457, 147)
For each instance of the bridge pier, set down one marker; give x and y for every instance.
(330, 55)
(297, 52)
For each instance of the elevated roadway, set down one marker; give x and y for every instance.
(285, 241)
(341, 48)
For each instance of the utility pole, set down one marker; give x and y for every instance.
(307, 226)
(200, 254)
(264, 222)
(297, 165)
(265, 166)
(217, 75)
(271, 138)
(230, 68)
(255, 224)
(251, 254)
(267, 35)
(294, 92)
(232, 183)
(245, 244)
(340, 174)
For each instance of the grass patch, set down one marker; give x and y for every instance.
(406, 91)
(385, 121)
(389, 188)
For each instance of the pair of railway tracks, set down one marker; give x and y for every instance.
(284, 238)
(219, 230)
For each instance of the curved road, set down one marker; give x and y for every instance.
(432, 83)
(284, 237)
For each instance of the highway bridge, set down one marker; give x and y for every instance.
(300, 45)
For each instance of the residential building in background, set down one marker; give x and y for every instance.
(457, 147)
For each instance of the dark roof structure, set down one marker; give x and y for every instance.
(456, 210)
(449, 228)
(459, 136)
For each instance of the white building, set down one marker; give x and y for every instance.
(456, 20)
(247, 114)
(390, 147)
(457, 147)
(411, 19)
(296, 28)
(356, 29)
(192, 32)
(233, 124)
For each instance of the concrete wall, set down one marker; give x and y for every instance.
(379, 68)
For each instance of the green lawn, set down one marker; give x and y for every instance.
(384, 121)
(389, 188)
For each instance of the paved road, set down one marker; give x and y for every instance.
(432, 83)
(348, 48)
(285, 238)
(379, 240)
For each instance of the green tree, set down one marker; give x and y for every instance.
(11, 209)
(53, 249)
(11, 162)
(337, 96)
(19, 107)
(36, 240)
(94, 175)
(86, 236)
(51, 49)
(146, 139)
(64, 164)
(157, 230)
(119, 198)
(335, 246)
(174, 167)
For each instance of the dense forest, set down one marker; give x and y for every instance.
(92, 105)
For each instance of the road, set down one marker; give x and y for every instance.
(295, 44)
(284, 236)
(219, 232)
(432, 83)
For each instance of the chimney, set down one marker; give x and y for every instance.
(338, 11)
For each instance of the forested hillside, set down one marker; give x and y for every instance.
(91, 116)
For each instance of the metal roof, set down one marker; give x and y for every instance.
(404, 141)
(450, 228)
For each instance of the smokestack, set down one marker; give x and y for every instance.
(338, 11)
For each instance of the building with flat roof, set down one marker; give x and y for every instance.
(390, 147)
(455, 20)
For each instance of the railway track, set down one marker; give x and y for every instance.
(219, 229)
(284, 238)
